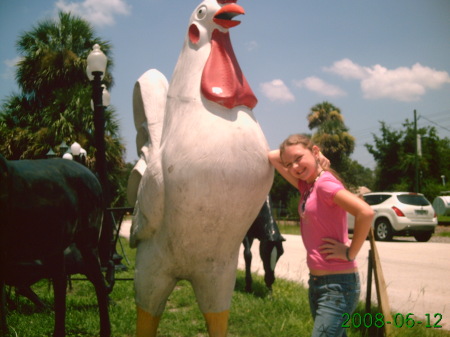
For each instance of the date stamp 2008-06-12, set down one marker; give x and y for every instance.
(398, 320)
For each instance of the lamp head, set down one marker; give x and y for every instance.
(75, 148)
(96, 62)
(106, 98)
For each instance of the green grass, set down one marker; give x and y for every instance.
(285, 313)
(292, 228)
(444, 220)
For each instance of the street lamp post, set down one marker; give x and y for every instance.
(96, 68)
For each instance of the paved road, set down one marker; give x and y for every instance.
(417, 274)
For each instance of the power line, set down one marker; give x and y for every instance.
(440, 126)
(442, 116)
(444, 112)
(365, 135)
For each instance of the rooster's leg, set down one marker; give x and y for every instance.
(153, 285)
(217, 323)
(214, 291)
(147, 324)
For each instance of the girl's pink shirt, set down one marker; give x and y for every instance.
(323, 218)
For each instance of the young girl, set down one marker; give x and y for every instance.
(334, 280)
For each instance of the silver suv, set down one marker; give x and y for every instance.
(400, 213)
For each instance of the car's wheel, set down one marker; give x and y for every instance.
(383, 230)
(423, 236)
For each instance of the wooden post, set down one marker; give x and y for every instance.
(369, 282)
(383, 299)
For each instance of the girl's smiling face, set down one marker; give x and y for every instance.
(301, 162)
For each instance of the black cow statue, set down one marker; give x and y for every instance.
(47, 206)
(265, 229)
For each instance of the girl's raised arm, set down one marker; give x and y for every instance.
(275, 160)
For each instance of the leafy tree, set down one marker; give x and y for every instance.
(333, 138)
(356, 175)
(386, 152)
(281, 193)
(54, 102)
(395, 154)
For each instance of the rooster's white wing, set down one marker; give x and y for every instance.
(149, 102)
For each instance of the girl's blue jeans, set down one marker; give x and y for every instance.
(330, 297)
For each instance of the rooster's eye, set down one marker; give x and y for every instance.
(201, 13)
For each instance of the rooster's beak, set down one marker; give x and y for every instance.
(224, 16)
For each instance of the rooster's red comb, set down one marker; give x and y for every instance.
(226, 1)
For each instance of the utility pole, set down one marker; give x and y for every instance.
(416, 157)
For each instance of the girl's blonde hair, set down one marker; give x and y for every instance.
(295, 140)
(302, 139)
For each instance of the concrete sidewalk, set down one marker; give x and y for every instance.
(416, 274)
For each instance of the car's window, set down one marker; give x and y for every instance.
(413, 199)
(376, 199)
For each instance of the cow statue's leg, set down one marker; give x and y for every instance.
(94, 274)
(3, 325)
(59, 290)
(270, 252)
(248, 241)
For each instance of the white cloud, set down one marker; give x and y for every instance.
(251, 46)
(97, 12)
(276, 90)
(347, 69)
(402, 84)
(316, 84)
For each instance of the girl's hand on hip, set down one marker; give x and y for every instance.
(334, 249)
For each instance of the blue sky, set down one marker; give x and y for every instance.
(375, 60)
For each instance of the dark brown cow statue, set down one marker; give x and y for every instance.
(45, 207)
(265, 229)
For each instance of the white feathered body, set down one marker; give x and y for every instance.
(203, 187)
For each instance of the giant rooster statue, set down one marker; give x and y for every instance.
(203, 172)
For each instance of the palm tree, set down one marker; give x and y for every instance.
(54, 103)
(332, 135)
(54, 55)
